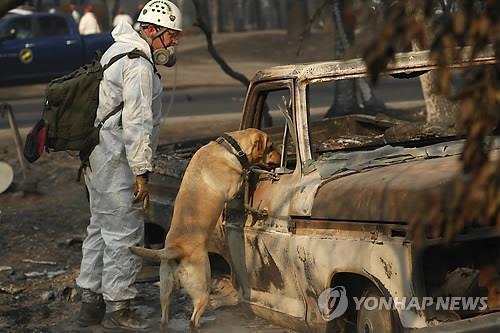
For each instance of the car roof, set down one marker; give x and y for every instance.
(403, 62)
(20, 11)
(23, 12)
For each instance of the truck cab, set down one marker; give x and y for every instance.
(335, 216)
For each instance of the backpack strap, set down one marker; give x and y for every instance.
(85, 160)
(111, 114)
(134, 54)
(113, 60)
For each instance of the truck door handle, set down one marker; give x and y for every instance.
(28, 45)
(71, 41)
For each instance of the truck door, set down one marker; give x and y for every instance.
(16, 48)
(58, 49)
(267, 246)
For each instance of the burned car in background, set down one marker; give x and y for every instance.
(336, 211)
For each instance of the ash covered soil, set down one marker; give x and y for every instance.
(42, 225)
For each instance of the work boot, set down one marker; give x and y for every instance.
(122, 317)
(92, 309)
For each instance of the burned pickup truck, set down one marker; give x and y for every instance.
(332, 221)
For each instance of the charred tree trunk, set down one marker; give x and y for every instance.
(350, 96)
(102, 13)
(114, 10)
(259, 15)
(280, 18)
(239, 15)
(345, 101)
(227, 17)
(251, 15)
(214, 15)
(440, 110)
(297, 18)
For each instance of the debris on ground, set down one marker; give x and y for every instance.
(17, 276)
(11, 289)
(50, 275)
(41, 262)
(71, 241)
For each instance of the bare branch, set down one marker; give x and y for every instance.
(267, 119)
(7, 5)
(212, 50)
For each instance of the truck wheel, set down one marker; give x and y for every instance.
(376, 321)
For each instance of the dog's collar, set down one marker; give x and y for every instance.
(234, 148)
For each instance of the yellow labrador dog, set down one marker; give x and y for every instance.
(213, 177)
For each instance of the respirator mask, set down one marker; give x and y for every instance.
(165, 57)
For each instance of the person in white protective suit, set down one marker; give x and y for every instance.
(122, 17)
(118, 169)
(88, 23)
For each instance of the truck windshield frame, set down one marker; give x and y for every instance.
(253, 113)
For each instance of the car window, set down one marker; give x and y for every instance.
(53, 26)
(351, 113)
(20, 28)
(273, 122)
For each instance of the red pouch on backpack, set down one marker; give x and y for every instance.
(35, 141)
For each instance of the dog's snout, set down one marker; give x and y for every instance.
(273, 158)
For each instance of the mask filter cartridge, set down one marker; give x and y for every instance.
(165, 57)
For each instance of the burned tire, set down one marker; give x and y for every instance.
(376, 321)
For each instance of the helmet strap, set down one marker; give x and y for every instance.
(144, 36)
(162, 42)
(159, 33)
(149, 39)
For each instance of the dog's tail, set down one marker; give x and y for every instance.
(158, 255)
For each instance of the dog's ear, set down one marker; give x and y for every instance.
(259, 146)
(259, 143)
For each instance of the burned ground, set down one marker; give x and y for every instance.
(42, 225)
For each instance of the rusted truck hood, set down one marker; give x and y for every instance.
(387, 186)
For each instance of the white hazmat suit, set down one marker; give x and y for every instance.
(127, 143)
(122, 18)
(88, 24)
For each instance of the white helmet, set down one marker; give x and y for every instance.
(162, 13)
